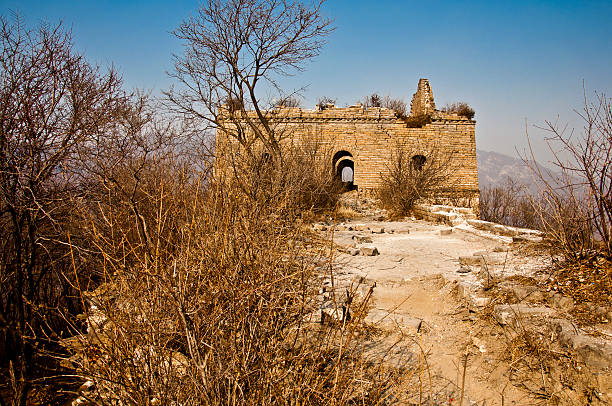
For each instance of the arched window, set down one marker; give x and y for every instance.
(418, 162)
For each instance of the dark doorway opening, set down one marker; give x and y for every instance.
(344, 169)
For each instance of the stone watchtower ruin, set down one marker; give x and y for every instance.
(363, 139)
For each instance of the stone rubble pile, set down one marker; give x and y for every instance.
(335, 297)
(449, 215)
(465, 217)
(533, 309)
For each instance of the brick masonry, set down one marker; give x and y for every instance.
(370, 134)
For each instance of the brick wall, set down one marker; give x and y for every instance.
(371, 134)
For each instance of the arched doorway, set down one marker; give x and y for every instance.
(344, 169)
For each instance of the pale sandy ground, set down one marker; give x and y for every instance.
(416, 278)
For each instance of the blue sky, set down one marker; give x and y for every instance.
(512, 61)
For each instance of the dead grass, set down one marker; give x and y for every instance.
(588, 279)
(345, 212)
(535, 360)
(211, 296)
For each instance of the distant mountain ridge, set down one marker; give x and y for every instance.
(494, 168)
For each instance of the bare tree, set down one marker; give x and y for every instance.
(578, 209)
(51, 101)
(234, 48)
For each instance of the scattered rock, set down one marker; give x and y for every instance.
(480, 301)
(361, 239)
(480, 344)
(470, 260)
(352, 251)
(330, 312)
(471, 297)
(360, 227)
(378, 230)
(320, 227)
(594, 352)
(464, 269)
(369, 251)
(414, 323)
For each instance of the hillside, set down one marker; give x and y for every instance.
(494, 168)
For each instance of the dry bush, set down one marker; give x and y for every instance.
(397, 105)
(208, 290)
(289, 101)
(418, 120)
(303, 181)
(460, 108)
(509, 204)
(577, 209)
(544, 369)
(215, 302)
(325, 102)
(412, 175)
(373, 100)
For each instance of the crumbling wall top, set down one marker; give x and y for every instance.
(423, 99)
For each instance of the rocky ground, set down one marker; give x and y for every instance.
(464, 306)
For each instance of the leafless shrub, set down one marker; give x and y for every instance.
(289, 101)
(577, 209)
(460, 108)
(325, 102)
(412, 175)
(373, 100)
(305, 182)
(509, 204)
(215, 302)
(397, 105)
(539, 365)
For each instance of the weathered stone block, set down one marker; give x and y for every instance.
(507, 314)
(369, 251)
(361, 239)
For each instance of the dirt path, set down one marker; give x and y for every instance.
(417, 274)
